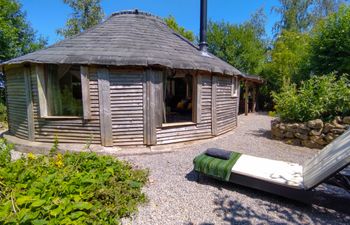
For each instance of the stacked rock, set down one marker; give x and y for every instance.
(312, 134)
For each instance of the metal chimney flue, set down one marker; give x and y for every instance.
(203, 27)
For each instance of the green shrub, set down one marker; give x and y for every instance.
(73, 188)
(321, 97)
(3, 112)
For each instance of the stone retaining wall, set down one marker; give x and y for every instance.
(312, 134)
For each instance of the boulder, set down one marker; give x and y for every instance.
(277, 132)
(303, 128)
(293, 141)
(337, 125)
(319, 140)
(338, 119)
(311, 144)
(337, 131)
(292, 127)
(275, 123)
(289, 134)
(330, 137)
(315, 124)
(301, 136)
(346, 120)
(327, 128)
(315, 132)
(282, 126)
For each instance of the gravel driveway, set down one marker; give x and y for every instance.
(175, 196)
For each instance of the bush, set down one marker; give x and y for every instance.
(73, 188)
(321, 97)
(3, 112)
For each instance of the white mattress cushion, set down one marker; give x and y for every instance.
(274, 171)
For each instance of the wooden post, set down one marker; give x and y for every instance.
(85, 90)
(105, 107)
(246, 98)
(254, 99)
(40, 77)
(153, 100)
(214, 128)
(196, 98)
(29, 103)
(238, 99)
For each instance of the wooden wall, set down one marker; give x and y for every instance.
(128, 97)
(126, 90)
(226, 105)
(68, 130)
(16, 102)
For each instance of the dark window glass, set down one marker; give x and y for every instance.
(63, 90)
(178, 98)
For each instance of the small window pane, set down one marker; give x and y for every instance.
(234, 87)
(63, 92)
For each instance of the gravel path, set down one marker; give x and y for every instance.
(177, 198)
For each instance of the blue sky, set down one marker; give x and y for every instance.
(46, 16)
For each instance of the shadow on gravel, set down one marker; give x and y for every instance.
(262, 133)
(267, 208)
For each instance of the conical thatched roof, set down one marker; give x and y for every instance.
(129, 38)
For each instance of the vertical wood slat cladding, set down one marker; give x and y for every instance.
(68, 130)
(126, 88)
(201, 130)
(226, 105)
(16, 102)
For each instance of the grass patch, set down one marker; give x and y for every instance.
(71, 188)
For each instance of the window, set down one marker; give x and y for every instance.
(234, 87)
(178, 94)
(63, 90)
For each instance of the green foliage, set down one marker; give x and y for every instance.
(16, 36)
(74, 188)
(322, 97)
(3, 113)
(302, 15)
(240, 45)
(295, 15)
(331, 43)
(5, 154)
(171, 22)
(86, 13)
(289, 59)
(54, 147)
(71, 106)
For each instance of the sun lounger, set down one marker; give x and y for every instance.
(287, 179)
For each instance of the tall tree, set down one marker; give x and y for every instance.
(302, 15)
(86, 13)
(331, 43)
(171, 22)
(17, 37)
(323, 8)
(289, 58)
(295, 15)
(240, 45)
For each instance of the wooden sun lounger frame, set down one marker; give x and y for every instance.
(329, 173)
(312, 196)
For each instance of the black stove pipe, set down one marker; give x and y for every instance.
(203, 27)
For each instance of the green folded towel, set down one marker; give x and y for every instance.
(218, 168)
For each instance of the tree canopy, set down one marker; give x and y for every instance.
(86, 13)
(331, 43)
(17, 37)
(240, 45)
(171, 22)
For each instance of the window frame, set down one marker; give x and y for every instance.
(194, 102)
(234, 87)
(42, 74)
